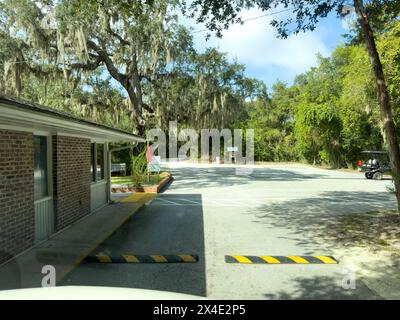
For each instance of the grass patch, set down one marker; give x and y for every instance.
(154, 179)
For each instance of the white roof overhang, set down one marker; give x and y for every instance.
(36, 120)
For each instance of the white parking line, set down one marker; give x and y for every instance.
(174, 203)
(177, 201)
(206, 202)
(190, 201)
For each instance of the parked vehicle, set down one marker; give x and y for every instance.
(374, 163)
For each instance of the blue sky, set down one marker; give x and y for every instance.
(266, 57)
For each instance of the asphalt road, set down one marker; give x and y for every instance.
(217, 211)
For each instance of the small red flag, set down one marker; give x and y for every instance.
(148, 153)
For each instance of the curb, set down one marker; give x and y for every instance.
(145, 188)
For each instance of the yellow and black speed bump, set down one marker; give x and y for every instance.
(281, 259)
(127, 258)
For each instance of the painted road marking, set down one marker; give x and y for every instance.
(242, 259)
(280, 259)
(159, 259)
(168, 201)
(140, 258)
(103, 258)
(190, 201)
(138, 197)
(326, 259)
(223, 202)
(130, 258)
(298, 259)
(269, 259)
(188, 258)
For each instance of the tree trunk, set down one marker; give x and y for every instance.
(139, 122)
(125, 80)
(383, 97)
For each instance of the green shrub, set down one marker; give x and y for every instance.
(139, 168)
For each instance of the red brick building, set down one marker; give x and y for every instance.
(54, 170)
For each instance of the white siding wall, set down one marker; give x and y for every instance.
(98, 195)
(44, 219)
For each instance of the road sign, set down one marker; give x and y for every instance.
(155, 164)
(232, 149)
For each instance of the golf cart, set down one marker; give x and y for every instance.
(374, 163)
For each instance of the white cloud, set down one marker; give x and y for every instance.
(255, 44)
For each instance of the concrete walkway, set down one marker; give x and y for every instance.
(66, 249)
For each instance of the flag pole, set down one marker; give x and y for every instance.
(148, 156)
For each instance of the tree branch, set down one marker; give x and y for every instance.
(92, 65)
(148, 108)
(116, 35)
(104, 57)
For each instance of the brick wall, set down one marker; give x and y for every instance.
(71, 174)
(16, 193)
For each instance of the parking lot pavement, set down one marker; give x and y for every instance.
(172, 231)
(212, 211)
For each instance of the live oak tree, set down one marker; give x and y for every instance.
(130, 41)
(306, 14)
(204, 91)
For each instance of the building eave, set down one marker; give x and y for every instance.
(27, 116)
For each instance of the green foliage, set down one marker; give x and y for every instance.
(388, 46)
(153, 180)
(118, 62)
(330, 114)
(204, 91)
(273, 125)
(77, 43)
(302, 15)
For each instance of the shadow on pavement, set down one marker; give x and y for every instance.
(13, 278)
(154, 230)
(324, 288)
(308, 219)
(317, 222)
(225, 177)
